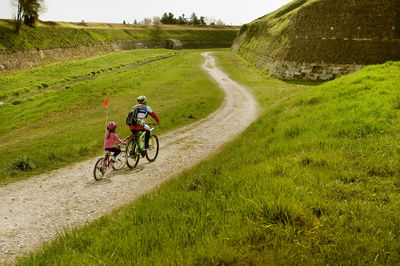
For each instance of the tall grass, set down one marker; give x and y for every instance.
(314, 181)
(66, 125)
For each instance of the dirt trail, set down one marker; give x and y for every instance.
(35, 211)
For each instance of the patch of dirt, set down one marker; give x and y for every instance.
(37, 210)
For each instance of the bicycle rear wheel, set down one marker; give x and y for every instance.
(98, 171)
(151, 154)
(121, 161)
(133, 157)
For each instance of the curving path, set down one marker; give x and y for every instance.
(35, 211)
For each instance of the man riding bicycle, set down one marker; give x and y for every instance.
(137, 119)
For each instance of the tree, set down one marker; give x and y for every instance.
(156, 21)
(202, 21)
(171, 18)
(220, 23)
(19, 15)
(146, 21)
(157, 25)
(182, 20)
(28, 10)
(164, 19)
(168, 18)
(31, 12)
(194, 20)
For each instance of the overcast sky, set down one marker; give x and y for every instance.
(231, 12)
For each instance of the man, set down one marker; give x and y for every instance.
(140, 113)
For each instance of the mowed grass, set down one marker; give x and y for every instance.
(65, 125)
(24, 83)
(314, 181)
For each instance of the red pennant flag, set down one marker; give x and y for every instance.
(106, 102)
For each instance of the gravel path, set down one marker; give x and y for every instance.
(36, 210)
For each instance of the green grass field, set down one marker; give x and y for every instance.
(59, 119)
(20, 85)
(314, 181)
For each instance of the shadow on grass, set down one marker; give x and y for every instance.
(305, 82)
(50, 23)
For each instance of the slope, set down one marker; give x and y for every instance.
(322, 39)
(314, 181)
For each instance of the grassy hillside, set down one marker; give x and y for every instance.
(269, 33)
(53, 34)
(53, 115)
(325, 31)
(314, 181)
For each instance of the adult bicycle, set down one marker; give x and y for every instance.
(135, 147)
(105, 164)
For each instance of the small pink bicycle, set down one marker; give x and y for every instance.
(104, 164)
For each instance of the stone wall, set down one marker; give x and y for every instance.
(292, 70)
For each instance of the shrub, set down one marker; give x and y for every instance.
(22, 163)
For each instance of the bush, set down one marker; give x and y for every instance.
(22, 163)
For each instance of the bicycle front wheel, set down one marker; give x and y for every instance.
(152, 152)
(132, 154)
(121, 161)
(98, 171)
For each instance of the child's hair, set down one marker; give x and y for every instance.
(110, 131)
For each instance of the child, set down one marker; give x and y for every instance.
(110, 139)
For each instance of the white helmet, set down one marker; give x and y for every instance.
(141, 99)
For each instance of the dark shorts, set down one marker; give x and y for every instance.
(115, 150)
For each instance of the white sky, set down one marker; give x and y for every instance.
(231, 12)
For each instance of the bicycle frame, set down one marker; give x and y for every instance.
(140, 138)
(136, 148)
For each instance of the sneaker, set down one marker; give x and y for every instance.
(148, 148)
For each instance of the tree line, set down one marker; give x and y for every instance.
(181, 20)
(170, 19)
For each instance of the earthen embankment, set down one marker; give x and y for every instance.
(322, 39)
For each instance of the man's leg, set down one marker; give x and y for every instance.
(146, 139)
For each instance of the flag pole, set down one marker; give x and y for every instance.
(106, 119)
(106, 104)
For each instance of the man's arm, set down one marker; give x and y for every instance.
(152, 114)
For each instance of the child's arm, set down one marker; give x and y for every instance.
(118, 140)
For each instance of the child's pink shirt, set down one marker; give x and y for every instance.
(109, 143)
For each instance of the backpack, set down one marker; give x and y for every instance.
(131, 119)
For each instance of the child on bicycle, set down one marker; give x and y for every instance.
(110, 139)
